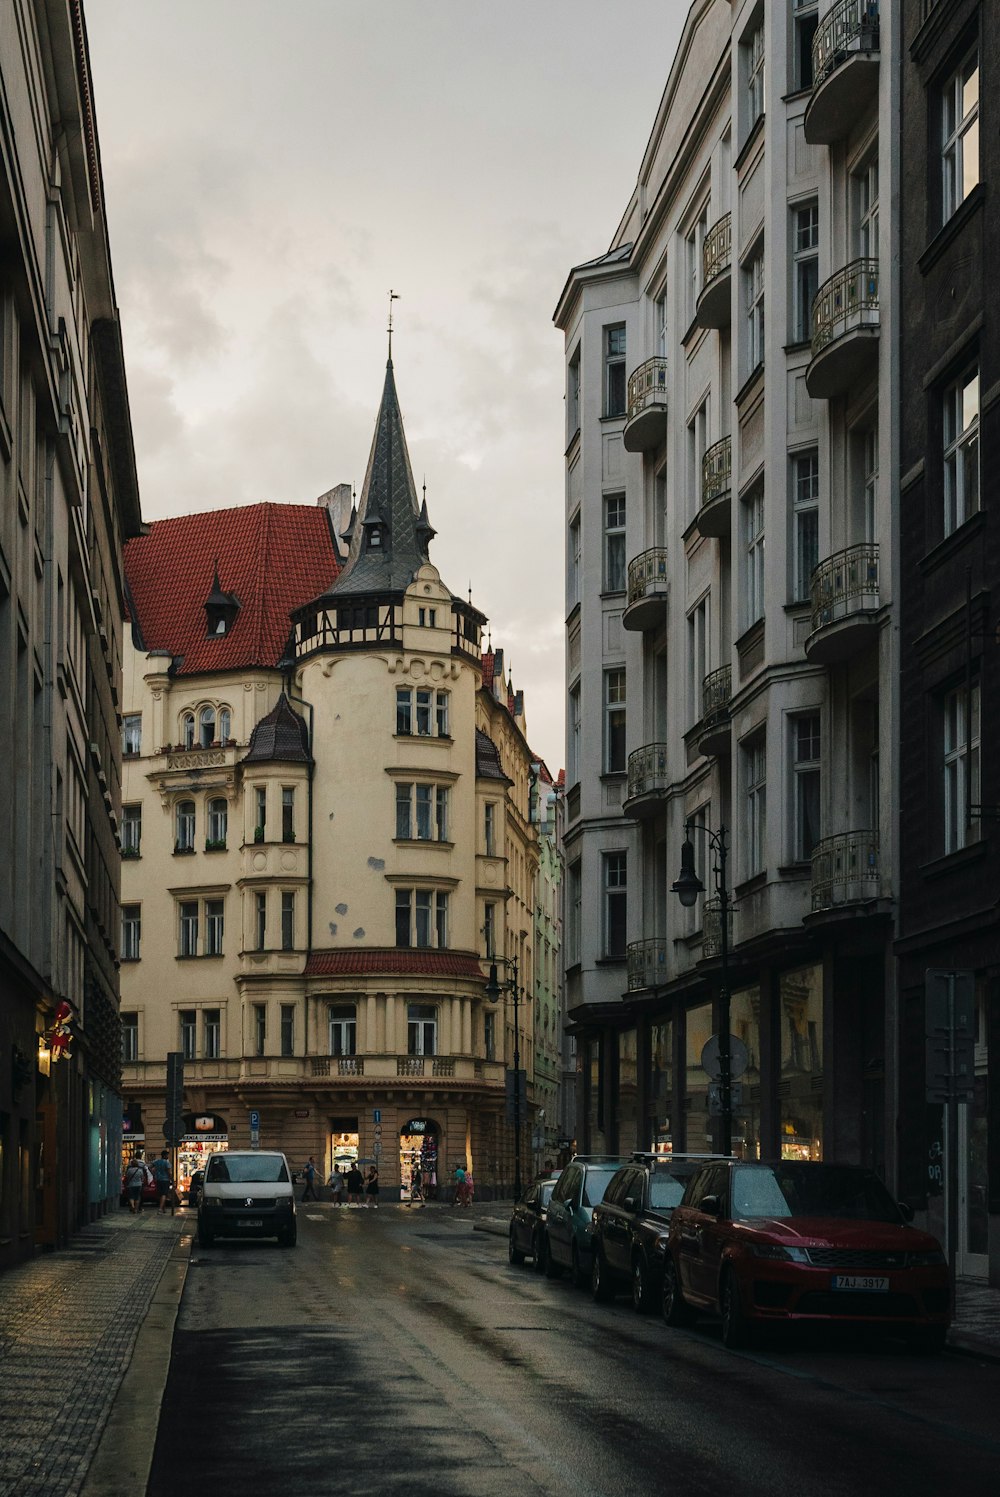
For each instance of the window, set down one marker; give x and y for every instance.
(806, 785)
(259, 1028)
(404, 708)
(865, 187)
(422, 910)
(185, 821)
(214, 926)
(614, 721)
(287, 920)
(753, 290)
(574, 913)
(441, 919)
(424, 713)
(804, 23)
(870, 483)
(805, 522)
(288, 1029)
(225, 725)
(427, 618)
(490, 929)
(959, 136)
(187, 730)
(424, 794)
(574, 736)
(805, 270)
(694, 246)
(211, 1025)
(206, 727)
(218, 822)
(614, 866)
(342, 1028)
(961, 450)
(404, 811)
(573, 571)
(189, 928)
(697, 658)
(489, 828)
(614, 543)
(490, 1036)
(961, 767)
(404, 906)
(421, 1029)
(441, 805)
(287, 813)
(189, 1033)
(260, 920)
(421, 812)
(130, 1038)
(755, 779)
(614, 370)
(753, 50)
(660, 323)
(697, 446)
(441, 713)
(260, 801)
(132, 734)
(131, 932)
(573, 394)
(753, 541)
(421, 920)
(131, 830)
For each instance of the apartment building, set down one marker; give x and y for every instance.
(732, 655)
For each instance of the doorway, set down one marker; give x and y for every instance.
(418, 1148)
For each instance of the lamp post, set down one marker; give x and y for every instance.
(494, 988)
(687, 888)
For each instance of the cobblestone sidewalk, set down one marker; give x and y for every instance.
(68, 1323)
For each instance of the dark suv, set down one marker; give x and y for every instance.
(630, 1226)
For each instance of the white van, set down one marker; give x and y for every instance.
(247, 1193)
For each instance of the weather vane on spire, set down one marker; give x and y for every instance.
(393, 296)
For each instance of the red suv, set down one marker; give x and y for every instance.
(794, 1242)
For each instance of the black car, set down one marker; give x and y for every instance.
(527, 1223)
(630, 1225)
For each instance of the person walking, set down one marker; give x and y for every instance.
(336, 1184)
(468, 1189)
(164, 1182)
(355, 1183)
(309, 1172)
(371, 1188)
(459, 1182)
(136, 1174)
(416, 1192)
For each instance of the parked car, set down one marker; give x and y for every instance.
(761, 1244)
(194, 1187)
(247, 1193)
(580, 1187)
(527, 1223)
(629, 1228)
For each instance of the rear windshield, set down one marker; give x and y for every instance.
(545, 1191)
(238, 1169)
(814, 1190)
(665, 1192)
(596, 1183)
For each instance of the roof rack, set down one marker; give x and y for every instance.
(598, 1159)
(643, 1156)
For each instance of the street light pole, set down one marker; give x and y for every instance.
(493, 990)
(687, 888)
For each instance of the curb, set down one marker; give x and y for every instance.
(968, 1344)
(124, 1456)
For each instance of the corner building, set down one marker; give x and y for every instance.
(732, 662)
(342, 805)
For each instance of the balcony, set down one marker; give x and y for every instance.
(646, 416)
(845, 321)
(845, 53)
(647, 589)
(845, 601)
(716, 489)
(647, 963)
(647, 780)
(845, 870)
(714, 735)
(714, 307)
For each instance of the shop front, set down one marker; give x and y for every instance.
(342, 1145)
(419, 1140)
(204, 1134)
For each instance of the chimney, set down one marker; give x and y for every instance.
(337, 501)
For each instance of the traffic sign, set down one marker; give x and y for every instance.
(254, 1121)
(378, 1130)
(739, 1057)
(376, 1148)
(376, 1114)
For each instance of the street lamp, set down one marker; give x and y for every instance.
(494, 988)
(687, 888)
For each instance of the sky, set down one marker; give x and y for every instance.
(273, 167)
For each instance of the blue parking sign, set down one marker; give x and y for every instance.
(255, 1120)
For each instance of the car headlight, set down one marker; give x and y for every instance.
(774, 1251)
(932, 1258)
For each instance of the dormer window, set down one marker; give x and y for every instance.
(427, 618)
(221, 609)
(374, 540)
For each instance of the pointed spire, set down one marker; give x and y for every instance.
(346, 535)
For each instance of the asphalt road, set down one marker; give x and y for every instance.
(397, 1351)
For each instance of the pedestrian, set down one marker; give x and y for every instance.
(136, 1175)
(355, 1182)
(459, 1182)
(309, 1173)
(468, 1189)
(164, 1182)
(336, 1184)
(416, 1193)
(371, 1188)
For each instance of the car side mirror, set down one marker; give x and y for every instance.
(905, 1210)
(710, 1205)
(630, 1203)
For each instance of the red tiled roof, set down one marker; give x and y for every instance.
(274, 557)
(561, 777)
(488, 670)
(394, 960)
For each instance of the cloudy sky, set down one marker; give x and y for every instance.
(272, 167)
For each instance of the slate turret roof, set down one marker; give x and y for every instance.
(280, 736)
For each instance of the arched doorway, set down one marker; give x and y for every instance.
(419, 1145)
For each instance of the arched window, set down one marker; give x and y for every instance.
(185, 826)
(225, 722)
(206, 726)
(187, 730)
(218, 821)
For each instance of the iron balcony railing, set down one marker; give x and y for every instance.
(845, 870)
(716, 693)
(647, 963)
(711, 928)
(644, 570)
(717, 470)
(647, 385)
(717, 250)
(844, 583)
(852, 26)
(647, 770)
(847, 300)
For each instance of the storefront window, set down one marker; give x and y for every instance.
(628, 1060)
(744, 1025)
(418, 1149)
(343, 1144)
(802, 1063)
(698, 1132)
(661, 1084)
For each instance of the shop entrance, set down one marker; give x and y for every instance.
(204, 1134)
(418, 1149)
(342, 1150)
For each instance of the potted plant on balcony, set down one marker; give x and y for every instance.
(258, 834)
(215, 844)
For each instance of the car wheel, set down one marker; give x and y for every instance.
(640, 1286)
(929, 1340)
(514, 1254)
(735, 1330)
(676, 1310)
(552, 1268)
(205, 1237)
(601, 1285)
(538, 1251)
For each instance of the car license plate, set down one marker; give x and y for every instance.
(251, 1221)
(859, 1281)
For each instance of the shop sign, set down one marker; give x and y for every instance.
(205, 1125)
(301, 1112)
(415, 1125)
(204, 1138)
